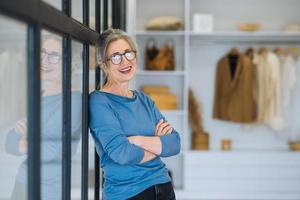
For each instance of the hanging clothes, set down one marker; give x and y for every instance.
(12, 87)
(288, 77)
(233, 100)
(268, 89)
(288, 81)
(293, 115)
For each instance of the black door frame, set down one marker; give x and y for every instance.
(36, 14)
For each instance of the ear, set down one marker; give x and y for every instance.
(104, 67)
(99, 61)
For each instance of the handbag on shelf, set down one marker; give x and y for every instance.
(164, 23)
(151, 53)
(160, 59)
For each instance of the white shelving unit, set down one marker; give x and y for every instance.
(159, 33)
(215, 174)
(161, 73)
(237, 36)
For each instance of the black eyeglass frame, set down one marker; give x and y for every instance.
(52, 57)
(121, 56)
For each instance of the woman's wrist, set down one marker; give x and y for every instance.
(135, 140)
(149, 143)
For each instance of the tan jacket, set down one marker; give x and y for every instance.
(234, 99)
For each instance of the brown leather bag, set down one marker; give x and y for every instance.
(163, 60)
(150, 54)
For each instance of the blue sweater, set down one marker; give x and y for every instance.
(51, 143)
(112, 119)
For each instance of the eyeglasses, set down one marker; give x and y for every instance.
(116, 58)
(52, 57)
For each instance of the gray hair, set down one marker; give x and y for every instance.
(108, 36)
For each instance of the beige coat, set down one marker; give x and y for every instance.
(234, 99)
(268, 90)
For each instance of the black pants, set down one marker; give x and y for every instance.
(163, 191)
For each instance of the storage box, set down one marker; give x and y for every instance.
(294, 145)
(165, 101)
(200, 141)
(203, 23)
(155, 89)
(162, 96)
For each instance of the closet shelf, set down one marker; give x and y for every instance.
(216, 152)
(159, 33)
(160, 73)
(231, 36)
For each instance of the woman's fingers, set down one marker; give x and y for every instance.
(164, 129)
(21, 126)
(161, 127)
(169, 131)
(158, 125)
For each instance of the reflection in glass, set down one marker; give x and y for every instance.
(76, 116)
(92, 65)
(51, 119)
(92, 68)
(92, 14)
(51, 116)
(55, 3)
(13, 96)
(77, 10)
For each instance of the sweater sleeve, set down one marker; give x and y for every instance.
(12, 142)
(170, 142)
(76, 117)
(52, 147)
(106, 128)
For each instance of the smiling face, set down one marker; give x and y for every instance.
(51, 62)
(124, 71)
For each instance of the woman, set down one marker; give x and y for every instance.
(129, 131)
(51, 127)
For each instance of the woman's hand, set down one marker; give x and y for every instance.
(148, 143)
(21, 128)
(132, 139)
(163, 128)
(23, 145)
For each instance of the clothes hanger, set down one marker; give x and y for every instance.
(280, 51)
(233, 57)
(234, 52)
(263, 50)
(250, 52)
(170, 43)
(295, 51)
